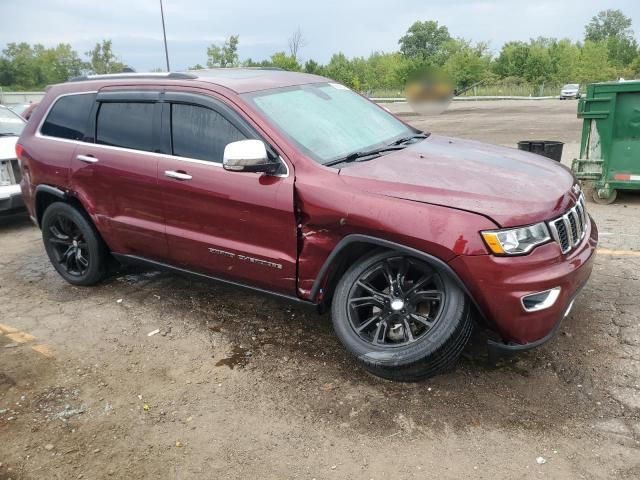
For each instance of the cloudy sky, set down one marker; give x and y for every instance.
(355, 27)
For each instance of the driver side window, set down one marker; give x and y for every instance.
(201, 133)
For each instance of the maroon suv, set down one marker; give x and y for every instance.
(295, 185)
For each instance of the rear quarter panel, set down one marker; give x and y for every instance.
(45, 161)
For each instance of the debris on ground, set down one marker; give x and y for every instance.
(69, 412)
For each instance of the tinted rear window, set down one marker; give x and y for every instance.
(127, 125)
(68, 117)
(201, 133)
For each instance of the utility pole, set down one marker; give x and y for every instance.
(164, 34)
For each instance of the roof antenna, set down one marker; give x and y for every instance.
(164, 34)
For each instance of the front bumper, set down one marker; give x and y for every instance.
(10, 198)
(499, 283)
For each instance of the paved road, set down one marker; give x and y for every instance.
(504, 122)
(239, 386)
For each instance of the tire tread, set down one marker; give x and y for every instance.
(445, 355)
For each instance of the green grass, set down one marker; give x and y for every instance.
(485, 90)
(514, 90)
(388, 93)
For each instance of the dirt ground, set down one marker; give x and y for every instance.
(237, 386)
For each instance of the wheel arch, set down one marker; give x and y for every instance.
(355, 246)
(45, 195)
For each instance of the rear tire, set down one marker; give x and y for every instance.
(73, 245)
(392, 332)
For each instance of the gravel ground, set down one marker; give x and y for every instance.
(240, 386)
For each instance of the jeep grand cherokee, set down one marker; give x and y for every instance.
(295, 185)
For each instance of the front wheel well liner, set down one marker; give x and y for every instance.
(355, 246)
(336, 265)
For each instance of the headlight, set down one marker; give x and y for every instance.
(516, 241)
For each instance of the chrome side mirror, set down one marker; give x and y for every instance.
(248, 156)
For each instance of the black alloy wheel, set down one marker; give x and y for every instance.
(73, 245)
(401, 317)
(395, 302)
(68, 245)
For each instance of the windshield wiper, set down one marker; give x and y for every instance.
(395, 145)
(402, 140)
(9, 134)
(358, 156)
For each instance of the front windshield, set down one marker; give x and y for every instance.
(571, 85)
(10, 123)
(327, 120)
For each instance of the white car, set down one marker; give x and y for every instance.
(570, 90)
(11, 125)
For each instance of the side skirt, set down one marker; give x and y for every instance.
(153, 264)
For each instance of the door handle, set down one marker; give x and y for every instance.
(177, 175)
(87, 158)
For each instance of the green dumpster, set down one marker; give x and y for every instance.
(610, 147)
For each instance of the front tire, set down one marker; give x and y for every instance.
(73, 245)
(400, 317)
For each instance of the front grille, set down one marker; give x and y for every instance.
(569, 229)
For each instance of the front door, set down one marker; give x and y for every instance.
(232, 225)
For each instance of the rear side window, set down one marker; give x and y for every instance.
(201, 133)
(68, 117)
(127, 125)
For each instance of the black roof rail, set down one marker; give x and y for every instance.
(141, 76)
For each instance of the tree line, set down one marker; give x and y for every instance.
(608, 51)
(32, 67)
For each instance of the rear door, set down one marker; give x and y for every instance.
(237, 226)
(114, 172)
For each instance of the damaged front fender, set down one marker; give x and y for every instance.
(332, 218)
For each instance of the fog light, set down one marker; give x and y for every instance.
(540, 300)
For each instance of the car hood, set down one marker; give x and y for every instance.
(509, 186)
(8, 147)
